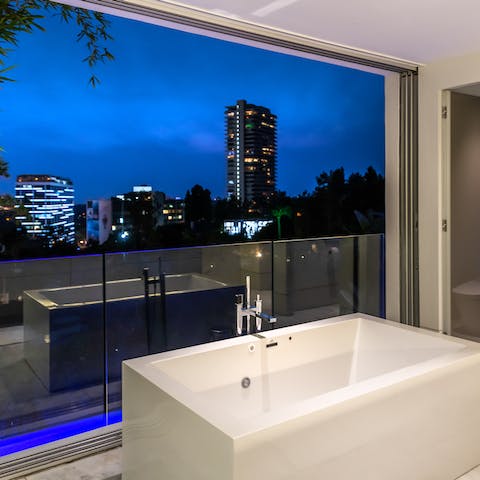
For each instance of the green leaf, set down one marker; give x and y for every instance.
(93, 81)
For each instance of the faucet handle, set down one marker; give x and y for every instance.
(239, 299)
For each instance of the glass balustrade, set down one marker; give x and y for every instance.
(51, 350)
(66, 324)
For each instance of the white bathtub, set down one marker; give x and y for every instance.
(352, 397)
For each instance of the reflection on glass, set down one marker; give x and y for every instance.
(51, 350)
(325, 277)
(166, 299)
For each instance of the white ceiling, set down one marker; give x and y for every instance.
(419, 31)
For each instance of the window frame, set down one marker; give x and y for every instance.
(400, 167)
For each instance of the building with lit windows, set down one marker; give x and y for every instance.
(174, 210)
(143, 207)
(98, 221)
(136, 213)
(251, 153)
(46, 203)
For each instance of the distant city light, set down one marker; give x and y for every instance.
(142, 188)
(246, 227)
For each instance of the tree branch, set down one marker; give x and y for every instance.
(23, 16)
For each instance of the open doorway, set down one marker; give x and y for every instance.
(461, 224)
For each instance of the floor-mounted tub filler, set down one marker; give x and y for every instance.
(353, 397)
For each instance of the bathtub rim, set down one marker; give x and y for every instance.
(39, 296)
(237, 428)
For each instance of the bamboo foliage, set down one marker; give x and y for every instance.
(25, 16)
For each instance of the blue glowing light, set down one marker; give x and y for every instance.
(40, 437)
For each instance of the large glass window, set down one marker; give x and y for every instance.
(178, 145)
(137, 207)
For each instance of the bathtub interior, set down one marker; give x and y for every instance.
(190, 282)
(301, 363)
(59, 297)
(120, 289)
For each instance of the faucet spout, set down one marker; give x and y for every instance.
(268, 318)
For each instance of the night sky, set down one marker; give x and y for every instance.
(158, 115)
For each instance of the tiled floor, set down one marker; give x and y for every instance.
(27, 405)
(471, 475)
(107, 466)
(11, 335)
(104, 466)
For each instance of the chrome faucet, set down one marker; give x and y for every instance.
(246, 310)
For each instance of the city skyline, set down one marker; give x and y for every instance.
(160, 121)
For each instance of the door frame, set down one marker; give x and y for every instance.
(445, 320)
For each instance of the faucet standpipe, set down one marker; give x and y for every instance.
(246, 310)
(258, 311)
(239, 304)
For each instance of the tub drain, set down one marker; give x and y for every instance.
(245, 382)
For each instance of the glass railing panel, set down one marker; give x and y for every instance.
(51, 350)
(371, 274)
(168, 299)
(124, 308)
(231, 264)
(325, 277)
(313, 279)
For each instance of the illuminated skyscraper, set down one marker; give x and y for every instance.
(251, 151)
(47, 201)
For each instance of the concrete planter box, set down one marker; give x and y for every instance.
(64, 328)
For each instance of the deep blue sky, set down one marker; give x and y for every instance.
(158, 115)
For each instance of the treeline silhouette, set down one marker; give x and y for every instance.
(337, 206)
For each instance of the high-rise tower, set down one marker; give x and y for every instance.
(251, 151)
(48, 200)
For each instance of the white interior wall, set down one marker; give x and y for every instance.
(433, 78)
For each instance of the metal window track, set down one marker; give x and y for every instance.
(244, 30)
(55, 455)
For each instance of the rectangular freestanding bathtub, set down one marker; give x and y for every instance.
(352, 397)
(64, 329)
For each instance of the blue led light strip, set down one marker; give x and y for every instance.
(51, 434)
